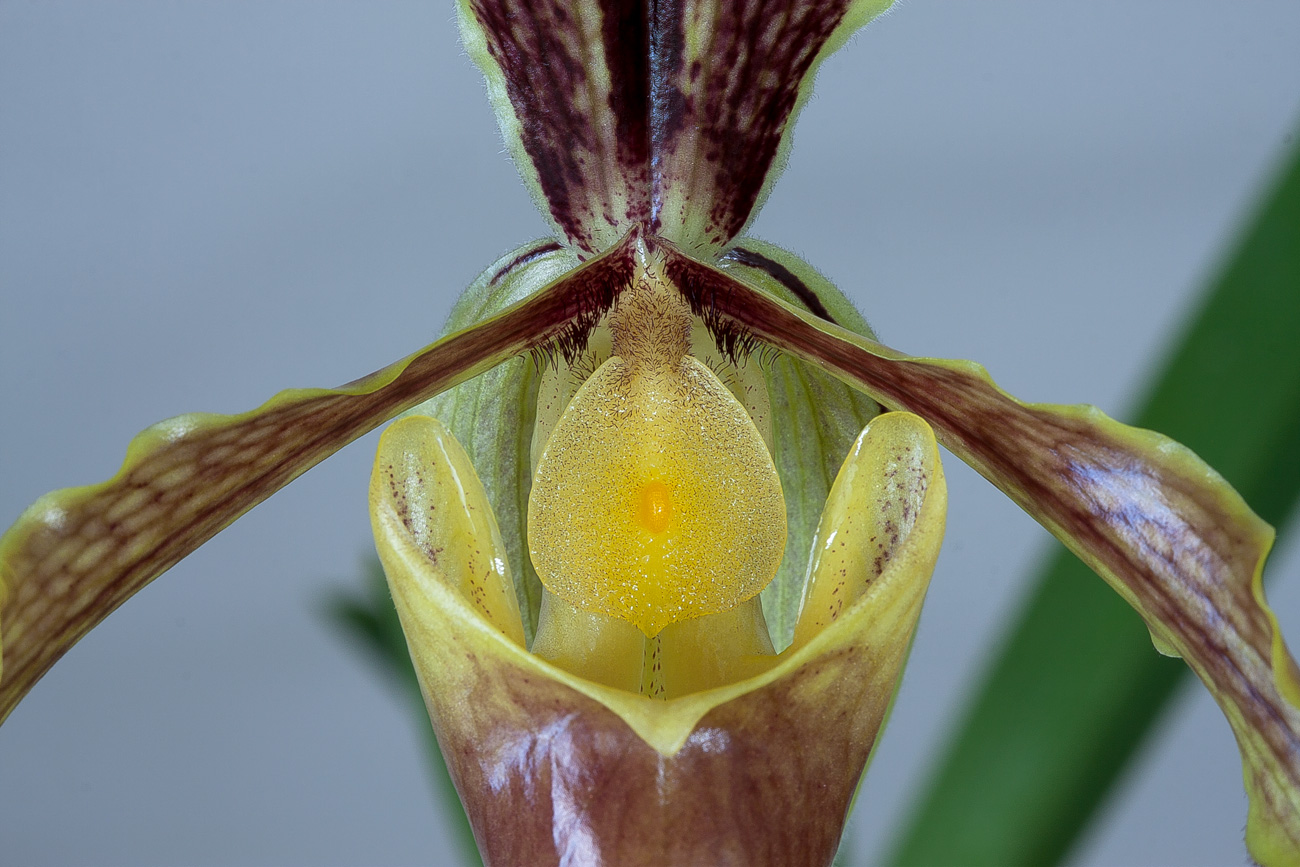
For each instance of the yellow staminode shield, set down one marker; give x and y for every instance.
(655, 499)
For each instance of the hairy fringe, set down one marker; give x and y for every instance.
(593, 288)
(709, 293)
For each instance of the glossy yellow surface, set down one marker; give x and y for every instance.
(874, 503)
(684, 658)
(437, 497)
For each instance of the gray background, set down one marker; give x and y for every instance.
(201, 204)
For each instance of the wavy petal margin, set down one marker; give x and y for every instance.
(672, 114)
(77, 554)
(556, 769)
(1161, 527)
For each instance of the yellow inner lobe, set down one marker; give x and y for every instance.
(655, 507)
(654, 498)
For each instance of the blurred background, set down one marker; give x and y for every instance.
(204, 203)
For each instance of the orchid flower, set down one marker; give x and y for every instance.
(653, 390)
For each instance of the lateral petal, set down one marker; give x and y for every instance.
(1161, 527)
(75, 555)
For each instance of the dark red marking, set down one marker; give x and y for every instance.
(626, 40)
(742, 103)
(735, 102)
(784, 276)
(523, 259)
(537, 46)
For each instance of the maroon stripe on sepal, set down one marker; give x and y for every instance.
(626, 40)
(667, 113)
(588, 143)
(720, 114)
(522, 259)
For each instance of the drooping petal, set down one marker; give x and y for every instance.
(77, 554)
(556, 769)
(669, 114)
(1150, 517)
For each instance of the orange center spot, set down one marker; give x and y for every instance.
(654, 507)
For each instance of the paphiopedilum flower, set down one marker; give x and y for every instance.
(650, 141)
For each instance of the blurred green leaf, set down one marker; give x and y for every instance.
(1077, 684)
(365, 615)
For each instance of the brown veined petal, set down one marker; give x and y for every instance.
(76, 554)
(1161, 527)
(671, 114)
